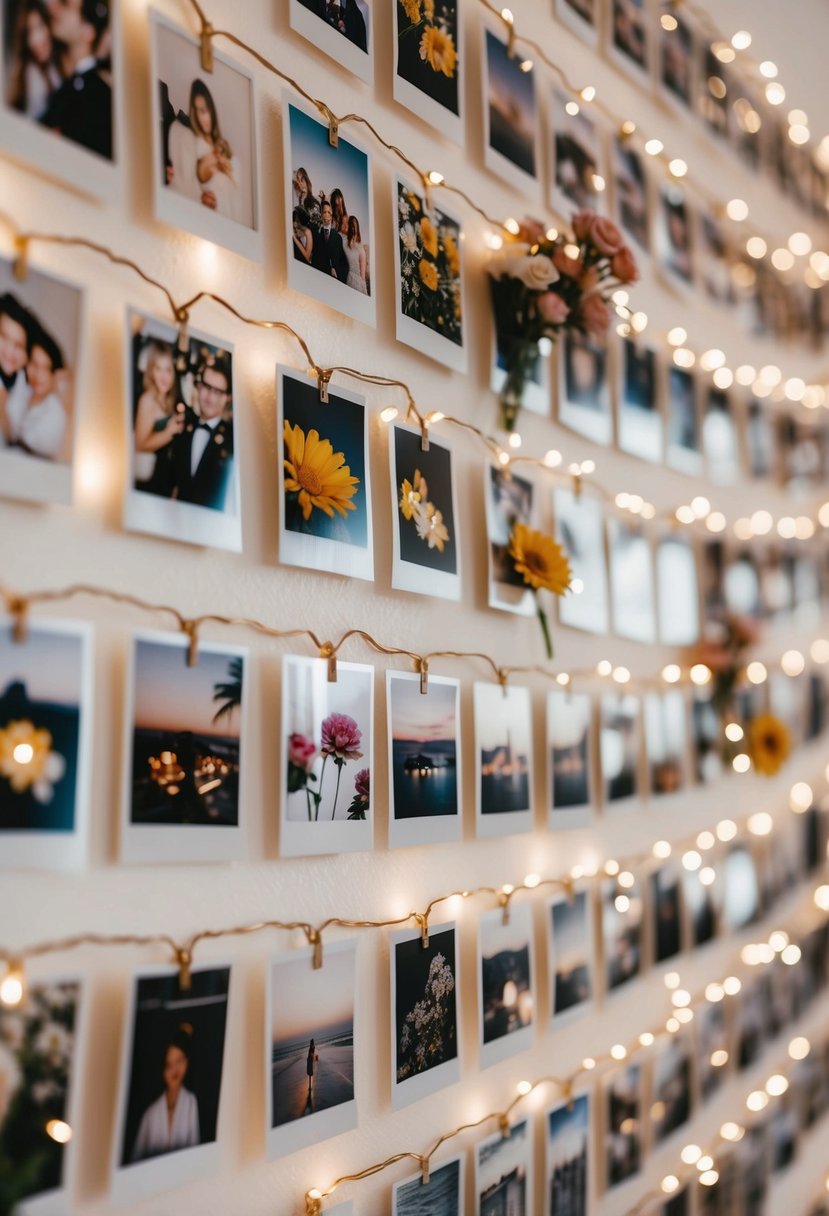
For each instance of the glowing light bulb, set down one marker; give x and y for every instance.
(12, 985)
(801, 796)
(737, 209)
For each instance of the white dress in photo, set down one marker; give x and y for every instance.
(39, 428)
(223, 185)
(185, 151)
(157, 1135)
(355, 279)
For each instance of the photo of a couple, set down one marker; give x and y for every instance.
(58, 68)
(39, 339)
(340, 28)
(330, 206)
(205, 162)
(184, 475)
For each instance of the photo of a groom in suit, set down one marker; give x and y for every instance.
(328, 253)
(203, 452)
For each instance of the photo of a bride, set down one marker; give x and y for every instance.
(205, 163)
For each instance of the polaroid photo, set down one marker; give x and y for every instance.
(511, 117)
(628, 36)
(631, 190)
(741, 890)
(205, 160)
(506, 976)
(713, 268)
(504, 761)
(62, 77)
(580, 16)
(182, 787)
(631, 580)
(619, 745)
(167, 1127)
(666, 742)
(41, 340)
(672, 1096)
(580, 530)
(639, 424)
(442, 1195)
(46, 733)
(584, 387)
(622, 934)
(342, 30)
(719, 438)
(508, 500)
(674, 246)
(310, 1040)
(677, 592)
(684, 440)
(567, 1157)
(327, 755)
(324, 482)
(570, 922)
(712, 1053)
(580, 177)
(623, 1125)
(676, 61)
(42, 1046)
(666, 911)
(429, 64)
(504, 1171)
(428, 276)
(425, 542)
(331, 240)
(425, 983)
(570, 759)
(424, 760)
(184, 474)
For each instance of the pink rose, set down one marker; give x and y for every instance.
(301, 751)
(341, 737)
(594, 316)
(567, 265)
(605, 236)
(582, 223)
(552, 308)
(623, 265)
(531, 231)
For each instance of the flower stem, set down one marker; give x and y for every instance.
(337, 790)
(545, 629)
(308, 804)
(322, 775)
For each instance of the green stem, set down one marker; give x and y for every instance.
(322, 775)
(308, 804)
(337, 790)
(545, 628)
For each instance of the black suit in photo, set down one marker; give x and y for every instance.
(81, 110)
(346, 11)
(328, 253)
(208, 486)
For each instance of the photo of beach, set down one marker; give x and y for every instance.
(185, 738)
(311, 1028)
(423, 765)
(440, 1196)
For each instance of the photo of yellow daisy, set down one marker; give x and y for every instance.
(325, 519)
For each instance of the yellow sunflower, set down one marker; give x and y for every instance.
(438, 50)
(412, 10)
(317, 473)
(769, 743)
(539, 560)
(414, 201)
(429, 9)
(429, 236)
(428, 274)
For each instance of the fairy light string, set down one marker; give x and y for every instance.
(594, 1066)
(573, 473)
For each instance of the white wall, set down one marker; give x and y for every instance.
(53, 547)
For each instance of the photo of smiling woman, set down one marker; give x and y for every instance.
(172, 1121)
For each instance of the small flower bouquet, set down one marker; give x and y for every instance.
(540, 286)
(541, 562)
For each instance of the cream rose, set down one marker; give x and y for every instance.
(536, 272)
